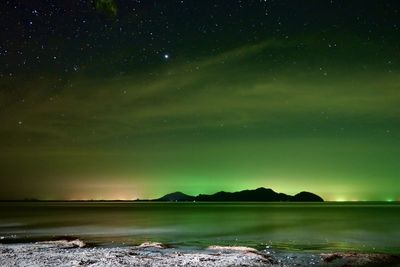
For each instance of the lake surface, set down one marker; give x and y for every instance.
(294, 226)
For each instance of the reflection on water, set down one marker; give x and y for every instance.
(320, 226)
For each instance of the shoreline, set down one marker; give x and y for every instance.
(77, 253)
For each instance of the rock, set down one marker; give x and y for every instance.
(65, 243)
(151, 245)
(359, 259)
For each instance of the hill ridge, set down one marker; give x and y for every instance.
(260, 194)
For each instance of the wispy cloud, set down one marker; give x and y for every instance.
(220, 90)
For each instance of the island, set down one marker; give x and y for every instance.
(257, 195)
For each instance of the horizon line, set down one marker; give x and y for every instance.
(155, 200)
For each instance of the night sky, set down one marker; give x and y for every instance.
(134, 99)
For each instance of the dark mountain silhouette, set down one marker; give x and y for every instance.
(307, 197)
(176, 196)
(260, 194)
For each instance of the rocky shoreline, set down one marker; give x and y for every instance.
(75, 253)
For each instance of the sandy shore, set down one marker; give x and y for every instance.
(74, 253)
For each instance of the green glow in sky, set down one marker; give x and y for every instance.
(314, 112)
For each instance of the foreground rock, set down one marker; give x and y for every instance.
(72, 253)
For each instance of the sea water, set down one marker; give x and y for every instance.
(366, 227)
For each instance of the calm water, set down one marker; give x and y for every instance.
(327, 226)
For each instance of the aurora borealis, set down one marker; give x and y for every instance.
(135, 99)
